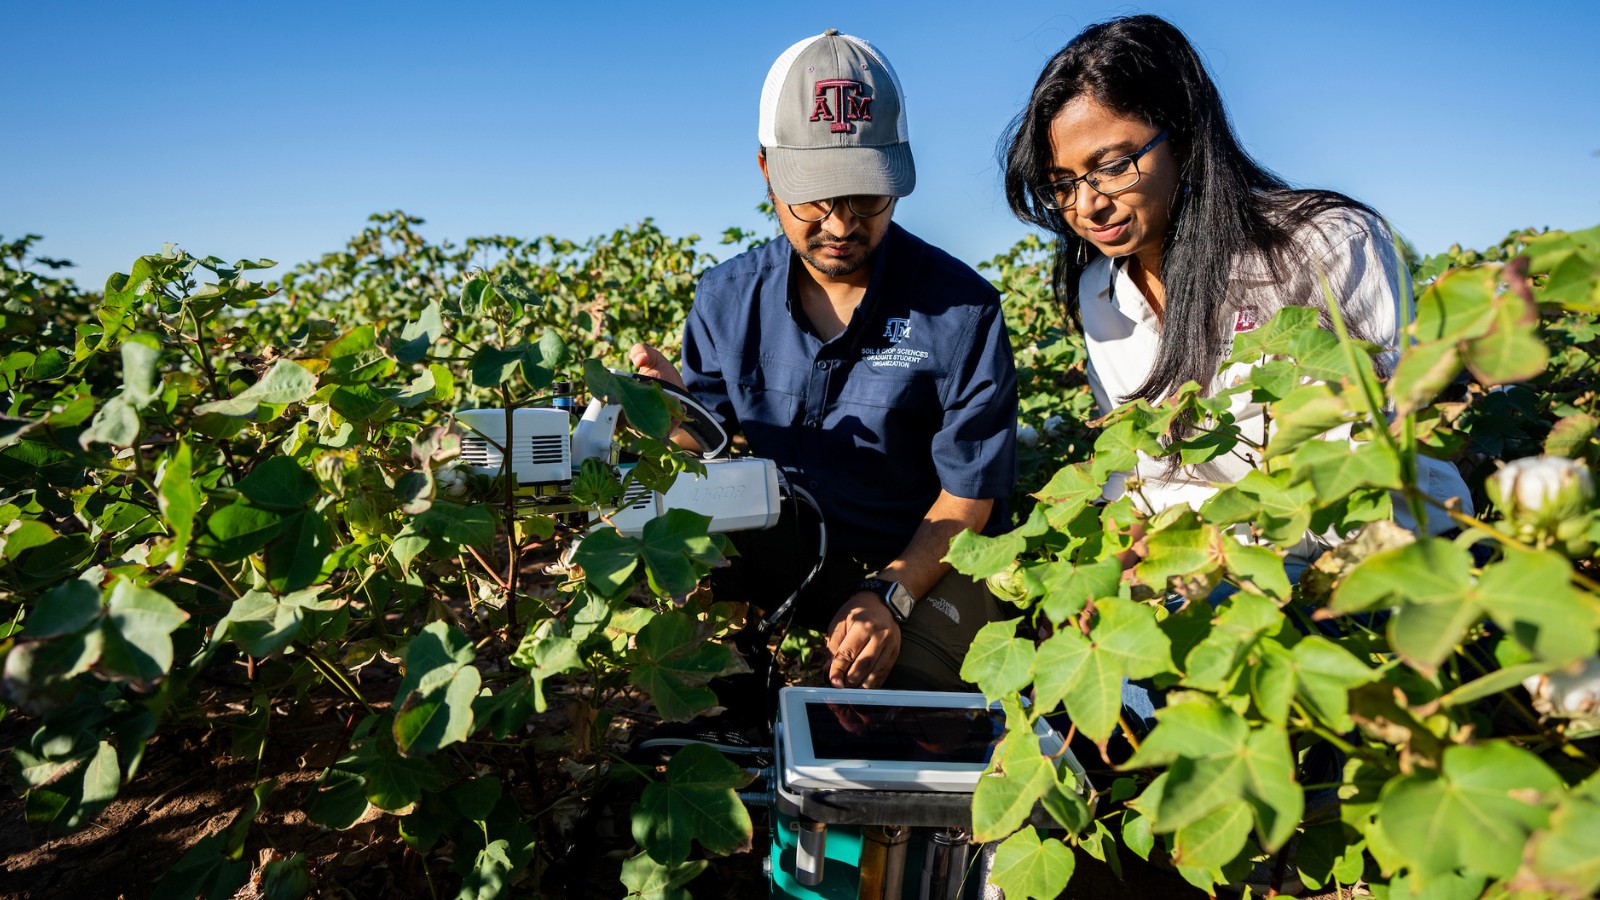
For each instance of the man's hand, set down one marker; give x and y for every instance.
(652, 362)
(864, 641)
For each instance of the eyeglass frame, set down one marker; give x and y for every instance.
(849, 202)
(1047, 193)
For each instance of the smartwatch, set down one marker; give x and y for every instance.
(893, 594)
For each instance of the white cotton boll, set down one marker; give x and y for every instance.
(1543, 484)
(1027, 436)
(1547, 501)
(1568, 694)
(452, 482)
(1053, 426)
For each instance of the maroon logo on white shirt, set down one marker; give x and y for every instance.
(1248, 319)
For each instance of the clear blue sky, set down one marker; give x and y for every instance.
(274, 129)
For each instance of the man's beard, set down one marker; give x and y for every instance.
(835, 268)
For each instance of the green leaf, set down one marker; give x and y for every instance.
(1068, 587)
(978, 556)
(1324, 673)
(515, 291)
(361, 402)
(1496, 682)
(279, 483)
(204, 872)
(238, 530)
(545, 653)
(296, 556)
(1067, 806)
(677, 551)
(1026, 867)
(1457, 305)
(138, 635)
(393, 782)
(1425, 634)
(1336, 468)
(262, 624)
(608, 560)
(1256, 568)
(493, 366)
(697, 802)
(1214, 839)
(541, 361)
(1017, 777)
(1430, 570)
(65, 609)
(646, 407)
(286, 382)
(1511, 351)
(1530, 595)
(1195, 725)
(1424, 370)
(1281, 512)
(356, 357)
(1262, 772)
(27, 535)
(1571, 436)
(1566, 857)
(1476, 814)
(1117, 449)
(285, 879)
(1087, 672)
(117, 423)
(1572, 262)
(435, 697)
(340, 799)
(455, 526)
(1327, 854)
(671, 661)
(141, 382)
(1184, 547)
(1307, 412)
(179, 500)
(649, 880)
(1277, 337)
(420, 335)
(998, 661)
(1071, 488)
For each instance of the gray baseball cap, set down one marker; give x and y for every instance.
(833, 122)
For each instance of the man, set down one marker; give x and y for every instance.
(872, 367)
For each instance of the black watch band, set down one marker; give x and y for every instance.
(893, 594)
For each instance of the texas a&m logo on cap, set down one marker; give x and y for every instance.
(850, 103)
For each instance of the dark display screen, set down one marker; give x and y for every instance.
(912, 733)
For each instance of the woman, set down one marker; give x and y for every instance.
(1170, 239)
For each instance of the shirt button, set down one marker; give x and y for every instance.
(822, 365)
(813, 423)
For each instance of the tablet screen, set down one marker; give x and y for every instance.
(910, 733)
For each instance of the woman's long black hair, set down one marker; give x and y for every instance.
(1229, 206)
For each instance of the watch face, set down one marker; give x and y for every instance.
(900, 601)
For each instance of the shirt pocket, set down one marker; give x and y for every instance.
(889, 390)
(772, 393)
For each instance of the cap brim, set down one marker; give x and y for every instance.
(820, 173)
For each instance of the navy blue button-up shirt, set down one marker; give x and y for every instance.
(918, 393)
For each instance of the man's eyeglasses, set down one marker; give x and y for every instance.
(862, 206)
(1113, 177)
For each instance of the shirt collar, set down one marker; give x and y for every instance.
(1122, 293)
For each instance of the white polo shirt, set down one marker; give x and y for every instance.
(1122, 334)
